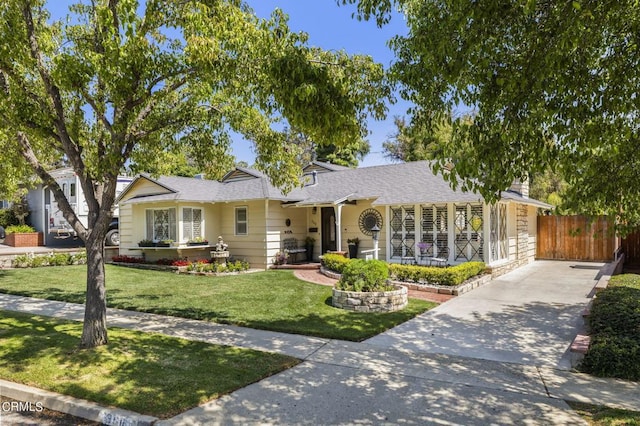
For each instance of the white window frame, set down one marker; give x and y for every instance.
(188, 234)
(151, 228)
(238, 222)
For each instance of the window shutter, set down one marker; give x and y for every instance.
(149, 224)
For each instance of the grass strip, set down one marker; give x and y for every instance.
(272, 300)
(143, 372)
(596, 415)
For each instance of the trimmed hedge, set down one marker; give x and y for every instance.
(335, 262)
(451, 276)
(615, 330)
(364, 275)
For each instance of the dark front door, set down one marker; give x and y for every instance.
(328, 229)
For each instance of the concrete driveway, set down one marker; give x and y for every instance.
(528, 316)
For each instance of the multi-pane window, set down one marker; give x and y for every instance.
(403, 232)
(468, 227)
(191, 223)
(241, 221)
(435, 231)
(161, 224)
(499, 239)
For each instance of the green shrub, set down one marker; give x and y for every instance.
(615, 330)
(334, 262)
(79, 258)
(612, 355)
(365, 275)
(31, 260)
(22, 261)
(450, 276)
(7, 218)
(59, 259)
(19, 229)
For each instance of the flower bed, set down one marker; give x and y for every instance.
(200, 267)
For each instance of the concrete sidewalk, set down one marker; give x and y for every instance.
(346, 382)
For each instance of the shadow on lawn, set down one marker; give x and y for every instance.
(146, 373)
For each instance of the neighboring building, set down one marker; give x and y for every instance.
(407, 201)
(46, 217)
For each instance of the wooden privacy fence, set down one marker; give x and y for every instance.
(575, 238)
(631, 248)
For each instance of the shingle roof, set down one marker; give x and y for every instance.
(393, 184)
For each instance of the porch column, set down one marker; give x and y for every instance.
(338, 211)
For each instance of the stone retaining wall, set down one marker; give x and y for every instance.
(380, 301)
(465, 287)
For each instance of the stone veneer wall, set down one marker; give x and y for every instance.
(522, 230)
(380, 301)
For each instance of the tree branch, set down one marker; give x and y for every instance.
(50, 182)
(71, 149)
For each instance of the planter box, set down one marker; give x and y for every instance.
(375, 301)
(198, 243)
(28, 239)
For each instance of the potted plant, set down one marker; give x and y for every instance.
(308, 245)
(198, 241)
(164, 243)
(146, 243)
(424, 247)
(353, 244)
(280, 258)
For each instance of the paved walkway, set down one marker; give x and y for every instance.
(377, 382)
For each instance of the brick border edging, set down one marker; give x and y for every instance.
(581, 342)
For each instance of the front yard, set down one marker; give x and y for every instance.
(143, 372)
(273, 300)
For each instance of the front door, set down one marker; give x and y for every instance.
(328, 229)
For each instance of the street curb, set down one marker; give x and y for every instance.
(74, 406)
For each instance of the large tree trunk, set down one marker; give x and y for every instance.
(94, 332)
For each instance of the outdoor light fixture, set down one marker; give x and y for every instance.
(375, 232)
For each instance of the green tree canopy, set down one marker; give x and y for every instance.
(346, 154)
(552, 83)
(122, 82)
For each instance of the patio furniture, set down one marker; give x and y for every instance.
(290, 245)
(441, 257)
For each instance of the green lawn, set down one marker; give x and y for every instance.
(604, 416)
(273, 300)
(144, 372)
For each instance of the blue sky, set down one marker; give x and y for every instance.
(330, 27)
